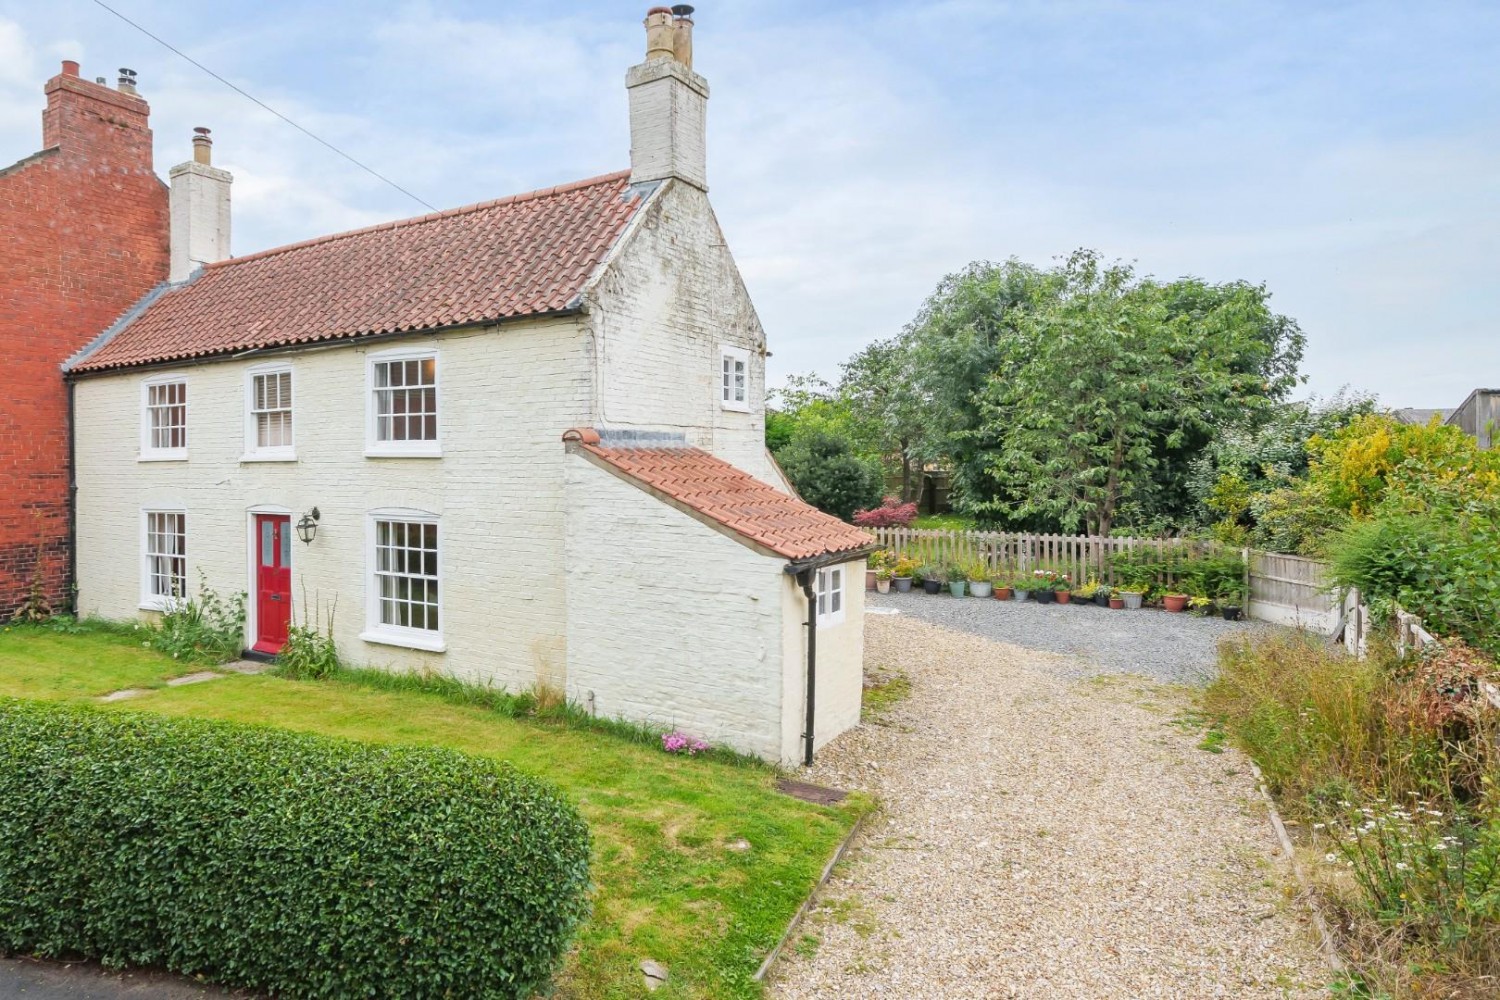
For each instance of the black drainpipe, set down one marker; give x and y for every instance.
(71, 587)
(806, 578)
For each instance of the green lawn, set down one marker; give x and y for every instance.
(944, 522)
(669, 887)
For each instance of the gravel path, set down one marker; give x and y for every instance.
(1041, 837)
(1175, 648)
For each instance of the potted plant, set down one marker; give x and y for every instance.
(1174, 602)
(1102, 596)
(873, 562)
(1043, 586)
(1231, 604)
(979, 578)
(932, 579)
(1088, 592)
(902, 573)
(958, 579)
(1002, 585)
(883, 580)
(1116, 601)
(1022, 587)
(1133, 589)
(1201, 606)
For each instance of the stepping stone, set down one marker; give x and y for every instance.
(248, 666)
(655, 973)
(198, 678)
(816, 794)
(122, 695)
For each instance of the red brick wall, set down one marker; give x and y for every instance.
(83, 235)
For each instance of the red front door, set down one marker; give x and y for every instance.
(273, 581)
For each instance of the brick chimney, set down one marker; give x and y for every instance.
(668, 103)
(200, 210)
(87, 118)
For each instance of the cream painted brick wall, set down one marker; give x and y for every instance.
(507, 395)
(659, 312)
(841, 664)
(199, 205)
(669, 621)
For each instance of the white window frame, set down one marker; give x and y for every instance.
(398, 635)
(727, 394)
(375, 448)
(253, 451)
(833, 595)
(149, 452)
(152, 601)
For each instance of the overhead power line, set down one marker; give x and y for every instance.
(251, 97)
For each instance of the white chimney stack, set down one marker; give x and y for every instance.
(200, 210)
(668, 103)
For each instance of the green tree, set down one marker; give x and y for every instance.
(878, 386)
(829, 475)
(1106, 385)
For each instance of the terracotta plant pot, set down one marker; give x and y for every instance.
(883, 586)
(903, 584)
(932, 586)
(1003, 593)
(1174, 602)
(1117, 603)
(869, 579)
(1064, 596)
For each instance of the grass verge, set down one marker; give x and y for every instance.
(670, 883)
(1392, 768)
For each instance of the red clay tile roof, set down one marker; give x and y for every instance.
(754, 510)
(526, 255)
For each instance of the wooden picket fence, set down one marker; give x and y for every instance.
(1081, 557)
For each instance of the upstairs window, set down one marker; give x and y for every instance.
(830, 596)
(164, 419)
(734, 378)
(164, 577)
(403, 404)
(268, 423)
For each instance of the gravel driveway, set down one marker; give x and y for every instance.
(1044, 837)
(1175, 648)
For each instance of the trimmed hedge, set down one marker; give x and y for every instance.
(294, 864)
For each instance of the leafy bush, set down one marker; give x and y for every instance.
(207, 628)
(891, 513)
(309, 653)
(830, 476)
(287, 863)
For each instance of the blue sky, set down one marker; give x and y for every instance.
(1346, 154)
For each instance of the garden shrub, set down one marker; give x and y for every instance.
(287, 863)
(207, 628)
(891, 513)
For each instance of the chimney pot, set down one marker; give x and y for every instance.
(100, 79)
(70, 67)
(127, 80)
(682, 34)
(660, 34)
(202, 146)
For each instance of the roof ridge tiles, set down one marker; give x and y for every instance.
(417, 220)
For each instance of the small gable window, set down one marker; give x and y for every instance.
(164, 419)
(268, 421)
(403, 404)
(830, 596)
(734, 378)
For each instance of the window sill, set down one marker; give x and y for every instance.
(428, 643)
(268, 457)
(162, 456)
(159, 605)
(735, 407)
(403, 453)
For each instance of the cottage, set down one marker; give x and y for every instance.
(524, 441)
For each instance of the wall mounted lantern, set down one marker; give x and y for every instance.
(307, 528)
